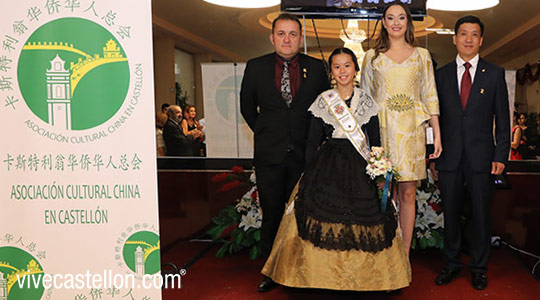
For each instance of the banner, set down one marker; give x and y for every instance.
(227, 133)
(78, 192)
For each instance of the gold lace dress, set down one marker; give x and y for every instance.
(295, 262)
(333, 234)
(407, 95)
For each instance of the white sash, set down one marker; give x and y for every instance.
(347, 121)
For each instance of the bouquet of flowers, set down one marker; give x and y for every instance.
(429, 224)
(380, 169)
(238, 226)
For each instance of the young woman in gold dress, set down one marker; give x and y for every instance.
(400, 78)
(334, 234)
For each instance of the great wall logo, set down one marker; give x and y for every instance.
(16, 263)
(73, 74)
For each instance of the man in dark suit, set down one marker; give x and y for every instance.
(176, 142)
(277, 90)
(473, 99)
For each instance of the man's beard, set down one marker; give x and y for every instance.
(177, 119)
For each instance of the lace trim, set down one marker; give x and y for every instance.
(337, 236)
(363, 107)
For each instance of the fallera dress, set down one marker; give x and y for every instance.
(407, 95)
(333, 234)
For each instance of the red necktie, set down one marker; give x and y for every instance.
(466, 83)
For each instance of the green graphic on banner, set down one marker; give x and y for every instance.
(73, 74)
(226, 99)
(142, 253)
(14, 263)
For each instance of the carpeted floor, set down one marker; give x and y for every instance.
(237, 277)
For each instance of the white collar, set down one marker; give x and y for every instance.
(363, 107)
(474, 61)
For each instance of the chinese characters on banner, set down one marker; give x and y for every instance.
(78, 186)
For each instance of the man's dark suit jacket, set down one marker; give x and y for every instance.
(277, 128)
(470, 131)
(176, 142)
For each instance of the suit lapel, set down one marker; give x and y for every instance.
(303, 76)
(454, 85)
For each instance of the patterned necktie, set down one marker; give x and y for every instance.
(286, 84)
(466, 83)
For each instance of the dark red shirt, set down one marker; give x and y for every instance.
(294, 73)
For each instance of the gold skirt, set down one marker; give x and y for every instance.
(298, 263)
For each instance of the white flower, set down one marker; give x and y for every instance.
(243, 205)
(432, 217)
(420, 209)
(421, 222)
(422, 197)
(438, 221)
(251, 219)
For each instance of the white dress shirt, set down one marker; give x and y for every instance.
(461, 68)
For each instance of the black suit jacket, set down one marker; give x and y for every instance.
(176, 142)
(276, 127)
(470, 131)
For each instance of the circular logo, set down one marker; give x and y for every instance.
(226, 99)
(14, 263)
(141, 253)
(73, 74)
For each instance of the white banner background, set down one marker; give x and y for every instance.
(227, 134)
(126, 139)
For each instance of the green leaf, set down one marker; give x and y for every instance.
(423, 243)
(257, 235)
(222, 250)
(248, 239)
(227, 216)
(254, 252)
(239, 238)
(215, 232)
(234, 248)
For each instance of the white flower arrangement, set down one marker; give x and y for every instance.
(428, 228)
(238, 226)
(250, 210)
(378, 165)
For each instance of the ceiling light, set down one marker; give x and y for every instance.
(461, 5)
(353, 38)
(441, 30)
(245, 3)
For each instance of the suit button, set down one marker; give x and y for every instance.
(290, 148)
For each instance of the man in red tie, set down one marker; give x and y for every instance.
(473, 98)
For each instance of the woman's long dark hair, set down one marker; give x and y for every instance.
(383, 41)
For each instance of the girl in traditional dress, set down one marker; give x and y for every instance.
(334, 234)
(400, 78)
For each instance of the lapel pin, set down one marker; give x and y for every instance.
(305, 72)
(483, 70)
(482, 90)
